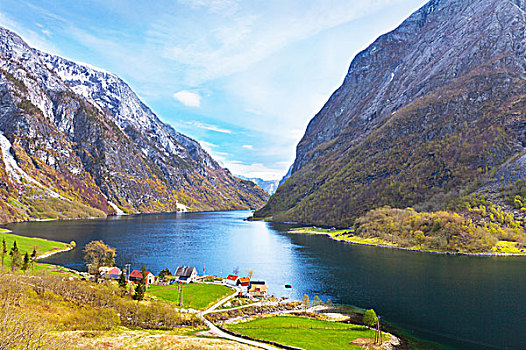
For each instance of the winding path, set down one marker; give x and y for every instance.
(225, 335)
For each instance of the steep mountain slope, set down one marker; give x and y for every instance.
(68, 151)
(426, 113)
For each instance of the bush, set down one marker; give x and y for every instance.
(369, 318)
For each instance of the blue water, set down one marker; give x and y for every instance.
(462, 302)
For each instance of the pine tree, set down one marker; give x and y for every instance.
(25, 264)
(122, 281)
(141, 286)
(15, 257)
(33, 259)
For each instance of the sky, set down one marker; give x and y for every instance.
(243, 78)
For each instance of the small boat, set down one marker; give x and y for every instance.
(288, 286)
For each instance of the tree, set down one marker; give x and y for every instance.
(141, 286)
(369, 318)
(15, 257)
(25, 264)
(33, 259)
(97, 254)
(305, 301)
(4, 252)
(316, 301)
(122, 282)
(236, 270)
(164, 273)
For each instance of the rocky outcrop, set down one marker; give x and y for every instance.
(77, 142)
(426, 113)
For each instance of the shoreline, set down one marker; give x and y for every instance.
(48, 254)
(484, 254)
(35, 220)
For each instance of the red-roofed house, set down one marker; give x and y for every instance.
(244, 283)
(114, 273)
(110, 272)
(136, 277)
(231, 280)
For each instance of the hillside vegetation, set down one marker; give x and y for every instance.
(443, 230)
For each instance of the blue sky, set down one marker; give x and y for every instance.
(242, 77)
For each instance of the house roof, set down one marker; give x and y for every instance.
(138, 274)
(232, 277)
(185, 271)
(245, 281)
(114, 271)
(257, 282)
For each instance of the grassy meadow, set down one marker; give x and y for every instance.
(195, 296)
(26, 244)
(306, 333)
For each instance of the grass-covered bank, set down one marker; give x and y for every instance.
(196, 296)
(27, 244)
(436, 232)
(306, 333)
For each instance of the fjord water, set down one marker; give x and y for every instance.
(463, 302)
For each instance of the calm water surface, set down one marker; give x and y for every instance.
(463, 302)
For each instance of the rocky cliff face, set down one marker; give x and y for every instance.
(427, 112)
(77, 142)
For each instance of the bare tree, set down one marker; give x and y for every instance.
(97, 254)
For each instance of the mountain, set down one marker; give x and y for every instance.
(429, 112)
(286, 176)
(77, 142)
(269, 186)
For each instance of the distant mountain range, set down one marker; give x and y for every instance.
(428, 113)
(76, 141)
(269, 186)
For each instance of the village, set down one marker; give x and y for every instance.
(245, 286)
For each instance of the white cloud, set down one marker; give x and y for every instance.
(255, 170)
(209, 127)
(188, 98)
(208, 145)
(250, 34)
(248, 147)
(213, 6)
(34, 39)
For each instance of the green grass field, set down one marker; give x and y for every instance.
(195, 296)
(26, 244)
(303, 332)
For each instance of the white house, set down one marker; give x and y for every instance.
(186, 274)
(231, 280)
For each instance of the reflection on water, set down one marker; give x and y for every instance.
(466, 302)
